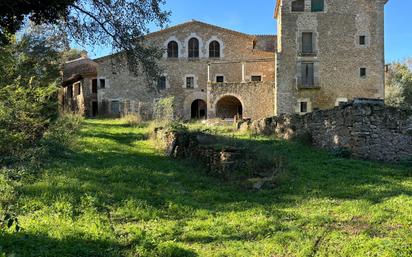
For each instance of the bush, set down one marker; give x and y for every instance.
(304, 138)
(25, 115)
(132, 119)
(342, 152)
(61, 134)
(164, 109)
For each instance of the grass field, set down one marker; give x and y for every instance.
(116, 195)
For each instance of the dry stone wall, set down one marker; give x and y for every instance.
(368, 131)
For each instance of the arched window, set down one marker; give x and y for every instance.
(193, 48)
(172, 50)
(214, 49)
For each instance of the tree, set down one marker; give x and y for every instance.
(35, 57)
(30, 68)
(399, 85)
(120, 24)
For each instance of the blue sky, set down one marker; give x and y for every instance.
(256, 17)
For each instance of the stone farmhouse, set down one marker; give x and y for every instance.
(326, 52)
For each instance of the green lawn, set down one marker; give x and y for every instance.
(117, 196)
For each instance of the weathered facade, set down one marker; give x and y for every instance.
(329, 51)
(326, 52)
(78, 93)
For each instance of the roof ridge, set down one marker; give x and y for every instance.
(265, 35)
(201, 23)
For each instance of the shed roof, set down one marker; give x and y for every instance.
(78, 69)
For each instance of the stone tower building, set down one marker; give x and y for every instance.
(328, 52)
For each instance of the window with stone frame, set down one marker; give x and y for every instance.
(190, 82)
(256, 78)
(341, 101)
(172, 50)
(94, 86)
(362, 40)
(303, 107)
(308, 75)
(70, 91)
(307, 43)
(161, 83)
(193, 48)
(220, 79)
(362, 72)
(102, 83)
(214, 49)
(298, 6)
(317, 5)
(115, 107)
(77, 89)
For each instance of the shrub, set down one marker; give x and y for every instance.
(132, 119)
(61, 134)
(164, 109)
(342, 152)
(25, 115)
(304, 138)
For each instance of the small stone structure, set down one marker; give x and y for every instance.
(368, 131)
(221, 160)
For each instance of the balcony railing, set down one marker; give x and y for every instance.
(300, 85)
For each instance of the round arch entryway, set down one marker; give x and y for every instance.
(198, 109)
(229, 107)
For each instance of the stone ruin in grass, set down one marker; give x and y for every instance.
(221, 158)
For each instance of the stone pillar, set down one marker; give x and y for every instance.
(208, 73)
(243, 73)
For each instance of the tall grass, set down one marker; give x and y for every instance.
(132, 119)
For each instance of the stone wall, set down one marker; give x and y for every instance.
(256, 98)
(373, 132)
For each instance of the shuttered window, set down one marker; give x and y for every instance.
(307, 74)
(115, 107)
(318, 5)
(307, 42)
